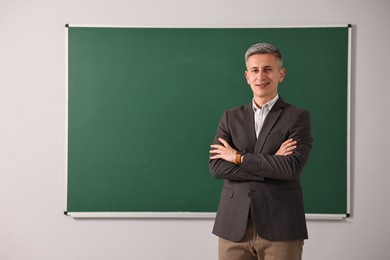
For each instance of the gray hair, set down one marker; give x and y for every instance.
(264, 48)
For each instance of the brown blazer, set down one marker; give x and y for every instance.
(265, 185)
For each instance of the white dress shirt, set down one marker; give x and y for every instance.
(261, 113)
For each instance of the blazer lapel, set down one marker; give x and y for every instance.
(249, 123)
(269, 123)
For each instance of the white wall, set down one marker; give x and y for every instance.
(32, 122)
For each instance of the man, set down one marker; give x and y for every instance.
(260, 150)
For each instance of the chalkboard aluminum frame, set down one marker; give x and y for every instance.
(205, 215)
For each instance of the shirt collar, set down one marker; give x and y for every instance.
(269, 104)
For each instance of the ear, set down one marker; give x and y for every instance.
(282, 74)
(246, 76)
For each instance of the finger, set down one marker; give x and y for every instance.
(214, 157)
(224, 142)
(289, 141)
(216, 152)
(287, 150)
(290, 148)
(289, 144)
(217, 146)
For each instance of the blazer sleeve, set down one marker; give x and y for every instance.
(283, 167)
(222, 169)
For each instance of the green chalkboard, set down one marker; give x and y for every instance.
(144, 104)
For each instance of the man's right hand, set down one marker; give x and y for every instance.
(287, 147)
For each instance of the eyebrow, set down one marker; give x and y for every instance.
(264, 67)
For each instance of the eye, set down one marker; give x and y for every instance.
(268, 69)
(254, 70)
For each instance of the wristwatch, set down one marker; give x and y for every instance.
(238, 158)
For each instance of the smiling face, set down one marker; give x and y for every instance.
(263, 74)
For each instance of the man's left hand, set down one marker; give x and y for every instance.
(224, 151)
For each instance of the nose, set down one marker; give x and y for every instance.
(261, 75)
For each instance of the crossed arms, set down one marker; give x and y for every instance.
(286, 164)
(227, 153)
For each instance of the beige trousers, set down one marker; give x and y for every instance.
(253, 247)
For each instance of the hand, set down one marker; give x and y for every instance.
(224, 151)
(287, 147)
